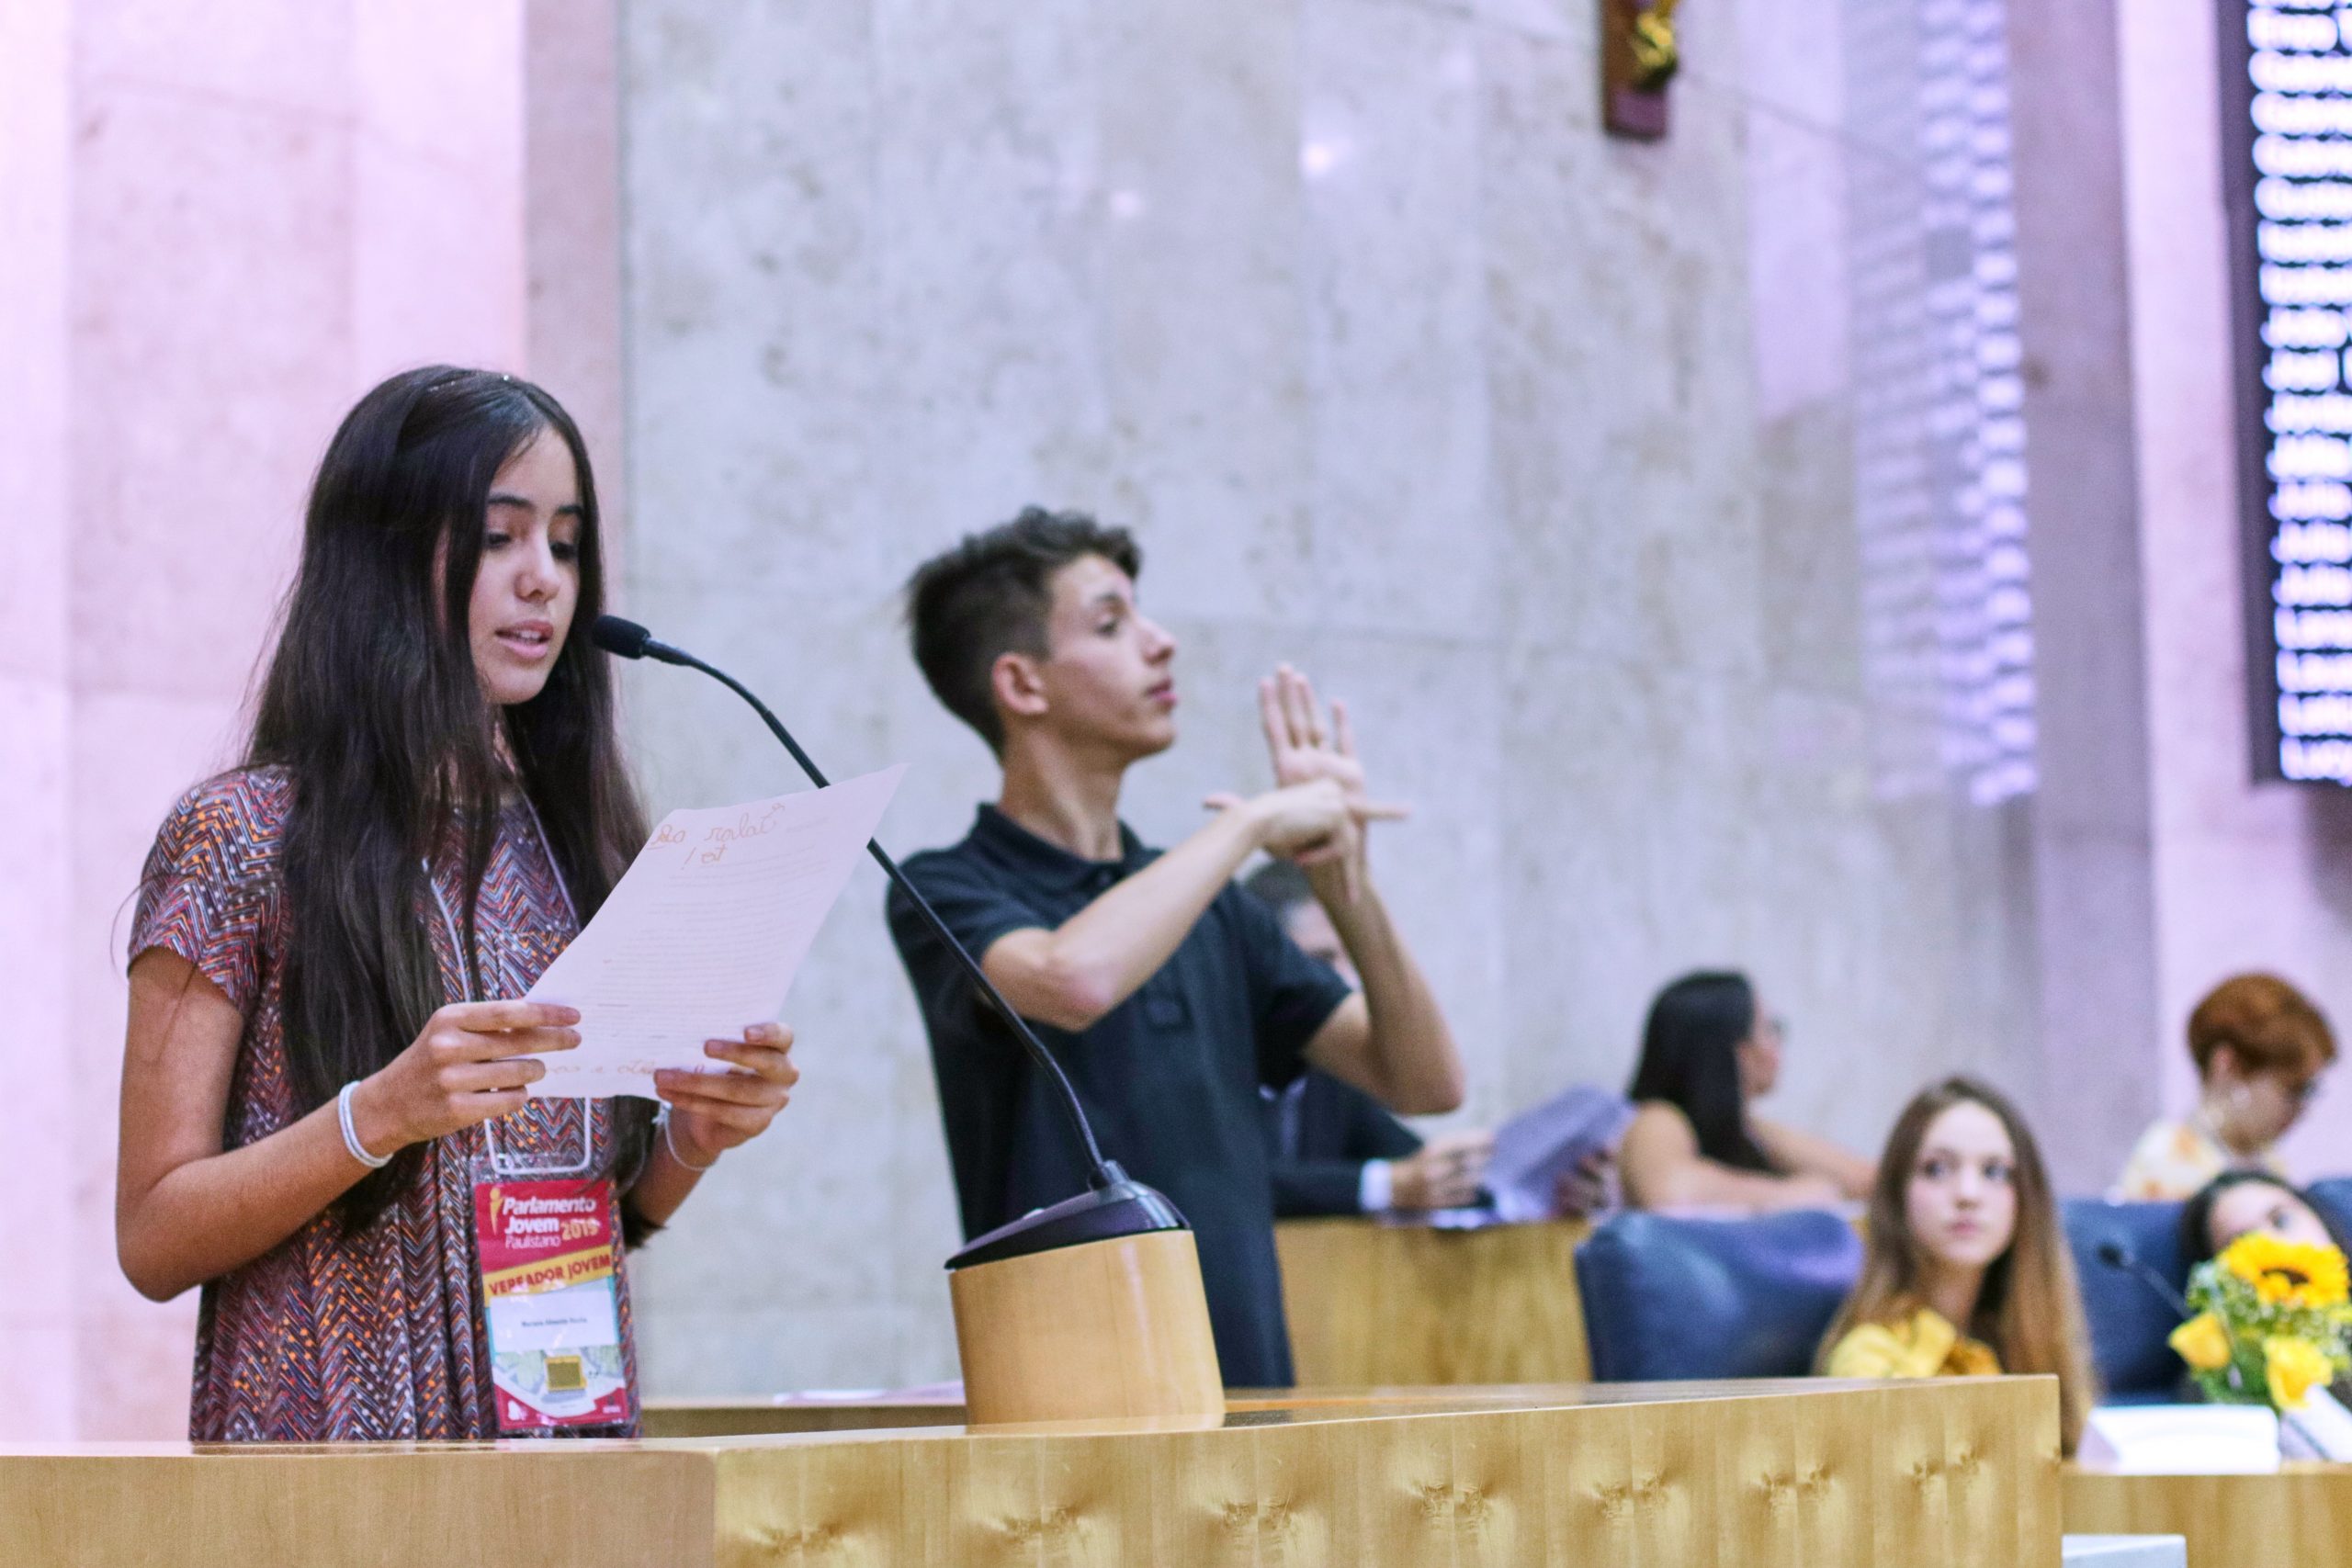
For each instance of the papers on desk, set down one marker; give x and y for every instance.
(1532, 1152)
(2214, 1439)
(1535, 1149)
(704, 933)
(2321, 1429)
(2181, 1439)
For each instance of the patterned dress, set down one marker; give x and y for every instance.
(377, 1335)
(2174, 1160)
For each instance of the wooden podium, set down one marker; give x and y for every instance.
(1957, 1473)
(1116, 1327)
(1376, 1304)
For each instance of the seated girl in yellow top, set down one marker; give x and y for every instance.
(1967, 1272)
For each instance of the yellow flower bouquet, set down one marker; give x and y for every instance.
(2273, 1322)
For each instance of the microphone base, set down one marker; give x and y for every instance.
(1102, 1329)
(1120, 1207)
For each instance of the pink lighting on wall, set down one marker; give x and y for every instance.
(223, 224)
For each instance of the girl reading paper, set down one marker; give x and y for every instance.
(327, 1055)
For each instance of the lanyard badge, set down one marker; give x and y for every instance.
(549, 1255)
(547, 1247)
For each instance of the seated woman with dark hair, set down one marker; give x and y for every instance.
(2238, 1202)
(1709, 1051)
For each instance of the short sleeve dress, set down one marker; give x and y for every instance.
(375, 1336)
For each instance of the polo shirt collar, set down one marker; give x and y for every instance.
(1048, 865)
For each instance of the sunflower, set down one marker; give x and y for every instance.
(2287, 1273)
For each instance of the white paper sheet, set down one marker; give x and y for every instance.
(704, 933)
(1536, 1148)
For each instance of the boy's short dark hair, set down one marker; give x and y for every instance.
(991, 595)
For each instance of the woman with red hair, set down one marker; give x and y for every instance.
(2260, 1047)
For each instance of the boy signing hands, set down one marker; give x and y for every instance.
(1316, 759)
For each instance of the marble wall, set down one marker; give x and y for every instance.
(224, 224)
(37, 1334)
(1538, 446)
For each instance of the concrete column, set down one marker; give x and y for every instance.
(2092, 845)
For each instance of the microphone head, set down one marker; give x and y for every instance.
(2114, 1254)
(624, 639)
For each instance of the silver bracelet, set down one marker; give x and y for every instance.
(351, 1135)
(670, 1140)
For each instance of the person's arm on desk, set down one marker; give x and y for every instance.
(1405, 1173)
(1443, 1175)
(1316, 1188)
(1071, 974)
(1802, 1154)
(1664, 1169)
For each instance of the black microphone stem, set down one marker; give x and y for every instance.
(2116, 1255)
(1101, 1173)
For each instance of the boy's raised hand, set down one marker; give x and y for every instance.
(1305, 747)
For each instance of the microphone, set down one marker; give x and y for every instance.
(626, 640)
(2115, 1254)
(1119, 1205)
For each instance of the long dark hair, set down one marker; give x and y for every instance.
(373, 708)
(2029, 1309)
(1689, 1061)
(2196, 1212)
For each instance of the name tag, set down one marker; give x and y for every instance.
(549, 1254)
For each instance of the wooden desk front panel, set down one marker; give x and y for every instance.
(1374, 1304)
(1957, 1473)
(573, 1505)
(1950, 1474)
(2301, 1517)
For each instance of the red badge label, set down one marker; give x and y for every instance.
(549, 1254)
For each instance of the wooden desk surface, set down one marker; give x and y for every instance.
(752, 1416)
(2300, 1518)
(1373, 1303)
(1956, 1473)
(739, 1416)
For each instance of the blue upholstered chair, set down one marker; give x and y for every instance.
(1667, 1300)
(2334, 1198)
(2128, 1321)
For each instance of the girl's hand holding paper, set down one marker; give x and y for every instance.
(706, 928)
(714, 1111)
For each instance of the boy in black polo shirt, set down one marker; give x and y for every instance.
(1168, 994)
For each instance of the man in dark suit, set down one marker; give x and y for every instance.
(1335, 1149)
